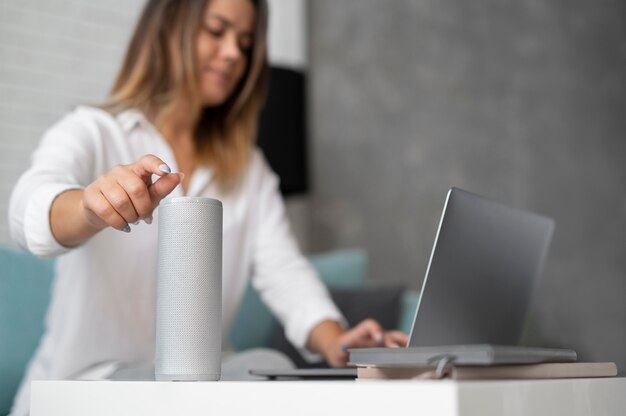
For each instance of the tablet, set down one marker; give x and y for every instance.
(307, 373)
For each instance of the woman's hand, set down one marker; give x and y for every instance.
(126, 194)
(333, 342)
(122, 196)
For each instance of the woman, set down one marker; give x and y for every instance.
(184, 108)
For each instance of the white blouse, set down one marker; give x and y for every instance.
(103, 301)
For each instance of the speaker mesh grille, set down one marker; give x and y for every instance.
(189, 290)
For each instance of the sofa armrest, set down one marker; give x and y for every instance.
(25, 284)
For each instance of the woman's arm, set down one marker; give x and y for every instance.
(285, 280)
(67, 220)
(292, 290)
(64, 160)
(50, 208)
(118, 198)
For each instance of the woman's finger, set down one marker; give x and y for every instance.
(137, 191)
(373, 329)
(99, 206)
(119, 200)
(149, 165)
(161, 188)
(395, 339)
(368, 333)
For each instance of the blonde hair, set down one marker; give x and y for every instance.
(159, 72)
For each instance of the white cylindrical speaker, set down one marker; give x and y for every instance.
(189, 290)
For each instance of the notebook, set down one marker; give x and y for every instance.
(498, 372)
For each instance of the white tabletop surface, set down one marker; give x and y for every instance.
(589, 397)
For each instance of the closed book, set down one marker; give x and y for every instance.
(500, 372)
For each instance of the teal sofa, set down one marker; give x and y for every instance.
(25, 283)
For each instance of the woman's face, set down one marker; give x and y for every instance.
(226, 36)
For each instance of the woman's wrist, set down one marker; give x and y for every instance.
(325, 339)
(69, 220)
(92, 224)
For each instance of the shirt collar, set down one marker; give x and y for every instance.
(129, 119)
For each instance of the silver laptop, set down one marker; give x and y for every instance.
(483, 268)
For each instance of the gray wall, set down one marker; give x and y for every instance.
(521, 101)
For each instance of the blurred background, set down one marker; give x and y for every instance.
(520, 101)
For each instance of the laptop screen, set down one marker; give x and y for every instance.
(485, 262)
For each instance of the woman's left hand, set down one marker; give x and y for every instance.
(367, 334)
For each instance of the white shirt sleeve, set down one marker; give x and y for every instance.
(64, 160)
(285, 280)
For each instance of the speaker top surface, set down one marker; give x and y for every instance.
(191, 200)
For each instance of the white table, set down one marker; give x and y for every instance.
(589, 397)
